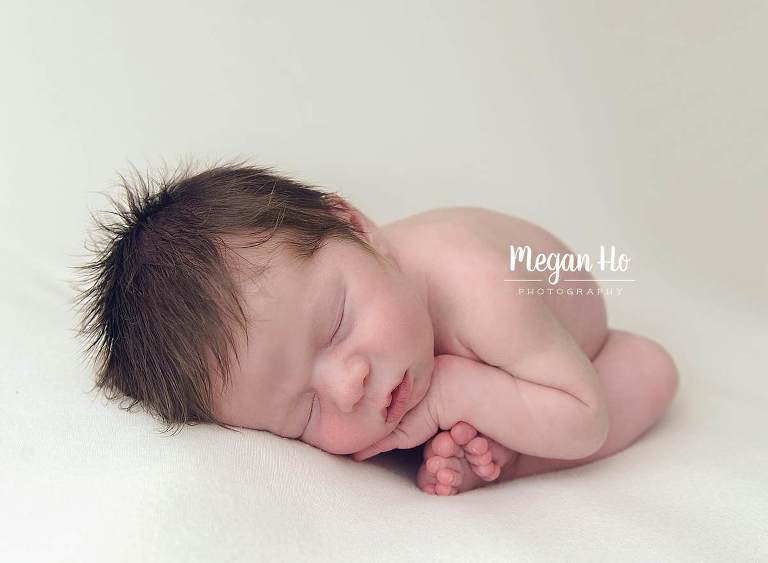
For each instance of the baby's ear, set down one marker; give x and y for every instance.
(352, 214)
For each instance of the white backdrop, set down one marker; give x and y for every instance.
(642, 125)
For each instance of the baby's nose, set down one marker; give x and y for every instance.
(349, 387)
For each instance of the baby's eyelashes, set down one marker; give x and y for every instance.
(341, 319)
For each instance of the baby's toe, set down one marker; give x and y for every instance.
(477, 446)
(482, 459)
(445, 490)
(443, 445)
(446, 473)
(488, 472)
(426, 480)
(462, 432)
(449, 477)
(436, 463)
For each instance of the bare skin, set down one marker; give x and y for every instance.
(637, 377)
(503, 383)
(640, 382)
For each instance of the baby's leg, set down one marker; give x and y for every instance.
(640, 380)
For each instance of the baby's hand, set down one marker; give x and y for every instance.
(416, 427)
(420, 423)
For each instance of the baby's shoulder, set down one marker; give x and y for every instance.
(476, 236)
(464, 254)
(474, 240)
(445, 237)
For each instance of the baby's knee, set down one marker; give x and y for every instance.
(659, 366)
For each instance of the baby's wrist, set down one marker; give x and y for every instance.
(451, 379)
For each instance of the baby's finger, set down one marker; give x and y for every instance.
(371, 451)
(364, 454)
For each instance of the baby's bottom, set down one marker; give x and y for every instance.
(640, 380)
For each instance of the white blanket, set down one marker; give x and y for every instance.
(641, 126)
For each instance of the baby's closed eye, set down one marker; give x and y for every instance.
(340, 317)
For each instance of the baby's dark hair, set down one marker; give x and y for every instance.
(159, 301)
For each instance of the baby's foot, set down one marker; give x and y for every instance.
(461, 460)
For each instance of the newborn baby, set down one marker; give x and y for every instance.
(243, 298)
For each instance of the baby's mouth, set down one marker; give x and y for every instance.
(399, 399)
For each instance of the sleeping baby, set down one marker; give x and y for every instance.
(243, 298)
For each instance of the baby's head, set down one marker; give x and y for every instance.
(243, 298)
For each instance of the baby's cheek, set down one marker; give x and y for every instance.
(398, 326)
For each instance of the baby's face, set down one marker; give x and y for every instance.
(328, 341)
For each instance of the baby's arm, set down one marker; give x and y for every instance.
(534, 390)
(524, 416)
(553, 405)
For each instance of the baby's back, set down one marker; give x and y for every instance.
(460, 244)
